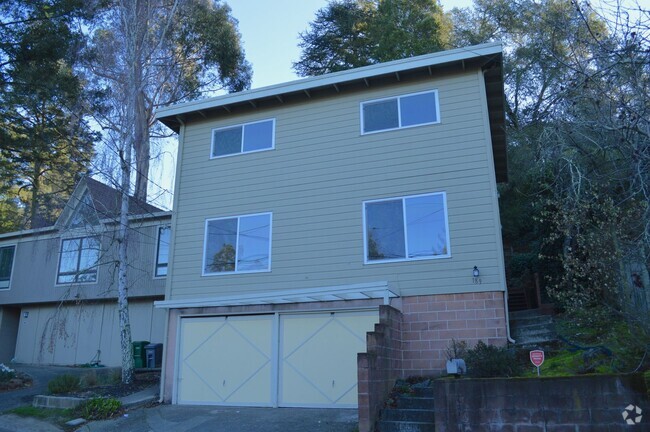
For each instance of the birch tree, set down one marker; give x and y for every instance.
(143, 54)
(186, 49)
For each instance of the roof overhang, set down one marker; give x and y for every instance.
(365, 291)
(487, 57)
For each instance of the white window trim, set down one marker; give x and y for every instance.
(241, 147)
(238, 217)
(13, 264)
(58, 264)
(403, 199)
(399, 112)
(155, 258)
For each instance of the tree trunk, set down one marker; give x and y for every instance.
(141, 145)
(122, 281)
(36, 189)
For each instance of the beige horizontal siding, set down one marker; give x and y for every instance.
(315, 181)
(33, 279)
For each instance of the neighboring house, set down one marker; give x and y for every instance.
(58, 284)
(308, 212)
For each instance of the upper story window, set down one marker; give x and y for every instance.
(78, 260)
(239, 244)
(6, 265)
(407, 228)
(243, 138)
(398, 112)
(162, 251)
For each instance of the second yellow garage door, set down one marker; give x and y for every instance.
(318, 358)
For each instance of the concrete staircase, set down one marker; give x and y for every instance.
(413, 413)
(530, 327)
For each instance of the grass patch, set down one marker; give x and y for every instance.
(53, 415)
(99, 408)
(64, 384)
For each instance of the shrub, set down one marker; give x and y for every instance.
(486, 361)
(99, 408)
(64, 384)
(6, 373)
(456, 350)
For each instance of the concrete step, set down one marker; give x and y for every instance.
(525, 314)
(422, 391)
(532, 320)
(533, 333)
(399, 426)
(415, 402)
(408, 415)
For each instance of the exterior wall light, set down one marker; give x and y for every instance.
(475, 272)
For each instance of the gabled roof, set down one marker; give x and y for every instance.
(106, 202)
(487, 57)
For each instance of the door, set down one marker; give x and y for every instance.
(318, 357)
(226, 361)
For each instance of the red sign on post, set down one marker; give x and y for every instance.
(537, 357)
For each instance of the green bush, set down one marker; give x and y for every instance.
(487, 361)
(99, 408)
(64, 384)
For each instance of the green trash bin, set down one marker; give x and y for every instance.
(139, 355)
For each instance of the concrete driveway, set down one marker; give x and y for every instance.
(175, 418)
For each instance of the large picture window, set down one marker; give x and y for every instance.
(6, 265)
(400, 112)
(238, 244)
(78, 260)
(243, 138)
(162, 252)
(407, 228)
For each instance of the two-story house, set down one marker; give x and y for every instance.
(58, 284)
(307, 213)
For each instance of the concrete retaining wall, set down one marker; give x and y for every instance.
(576, 404)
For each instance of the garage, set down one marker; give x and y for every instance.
(287, 360)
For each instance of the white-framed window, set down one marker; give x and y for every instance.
(414, 109)
(406, 228)
(237, 244)
(78, 260)
(243, 138)
(162, 251)
(6, 265)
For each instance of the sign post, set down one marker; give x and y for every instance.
(537, 358)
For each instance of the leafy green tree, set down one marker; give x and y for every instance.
(45, 141)
(354, 33)
(577, 111)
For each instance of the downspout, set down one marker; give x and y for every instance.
(505, 292)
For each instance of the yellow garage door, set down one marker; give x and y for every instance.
(226, 361)
(318, 357)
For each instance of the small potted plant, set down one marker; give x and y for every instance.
(455, 353)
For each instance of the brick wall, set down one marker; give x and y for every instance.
(431, 322)
(576, 404)
(379, 366)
